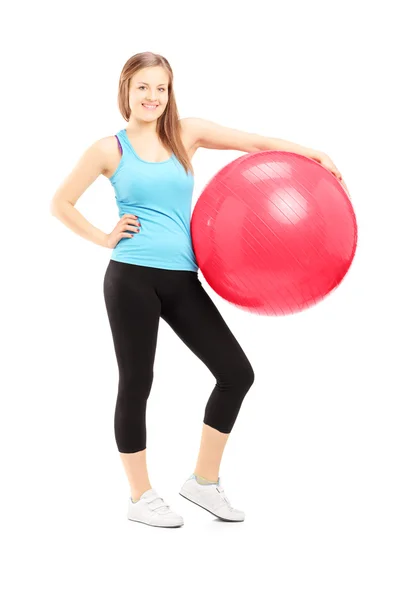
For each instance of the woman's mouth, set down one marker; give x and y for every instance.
(150, 106)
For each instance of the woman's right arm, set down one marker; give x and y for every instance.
(91, 164)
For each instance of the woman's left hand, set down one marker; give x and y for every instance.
(326, 162)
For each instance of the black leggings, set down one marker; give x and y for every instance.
(136, 297)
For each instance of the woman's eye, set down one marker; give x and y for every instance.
(142, 87)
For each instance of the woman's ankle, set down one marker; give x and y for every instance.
(137, 493)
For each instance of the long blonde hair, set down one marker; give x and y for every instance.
(168, 125)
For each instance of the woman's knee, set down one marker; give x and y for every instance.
(248, 374)
(245, 371)
(131, 383)
(240, 375)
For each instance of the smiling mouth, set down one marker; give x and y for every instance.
(150, 106)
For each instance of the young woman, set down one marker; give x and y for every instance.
(153, 273)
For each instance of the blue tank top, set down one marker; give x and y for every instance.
(160, 195)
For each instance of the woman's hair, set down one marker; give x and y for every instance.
(168, 125)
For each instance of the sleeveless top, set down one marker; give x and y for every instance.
(160, 195)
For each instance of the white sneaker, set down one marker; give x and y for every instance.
(152, 510)
(211, 497)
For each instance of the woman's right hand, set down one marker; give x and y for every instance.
(127, 222)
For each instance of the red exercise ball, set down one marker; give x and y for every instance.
(274, 232)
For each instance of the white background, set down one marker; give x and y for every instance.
(313, 459)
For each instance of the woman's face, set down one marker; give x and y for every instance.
(149, 87)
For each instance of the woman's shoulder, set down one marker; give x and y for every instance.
(107, 143)
(189, 131)
(107, 147)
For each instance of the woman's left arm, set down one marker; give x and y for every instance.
(207, 134)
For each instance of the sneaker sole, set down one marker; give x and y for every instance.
(155, 524)
(215, 515)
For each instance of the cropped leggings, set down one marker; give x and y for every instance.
(136, 297)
